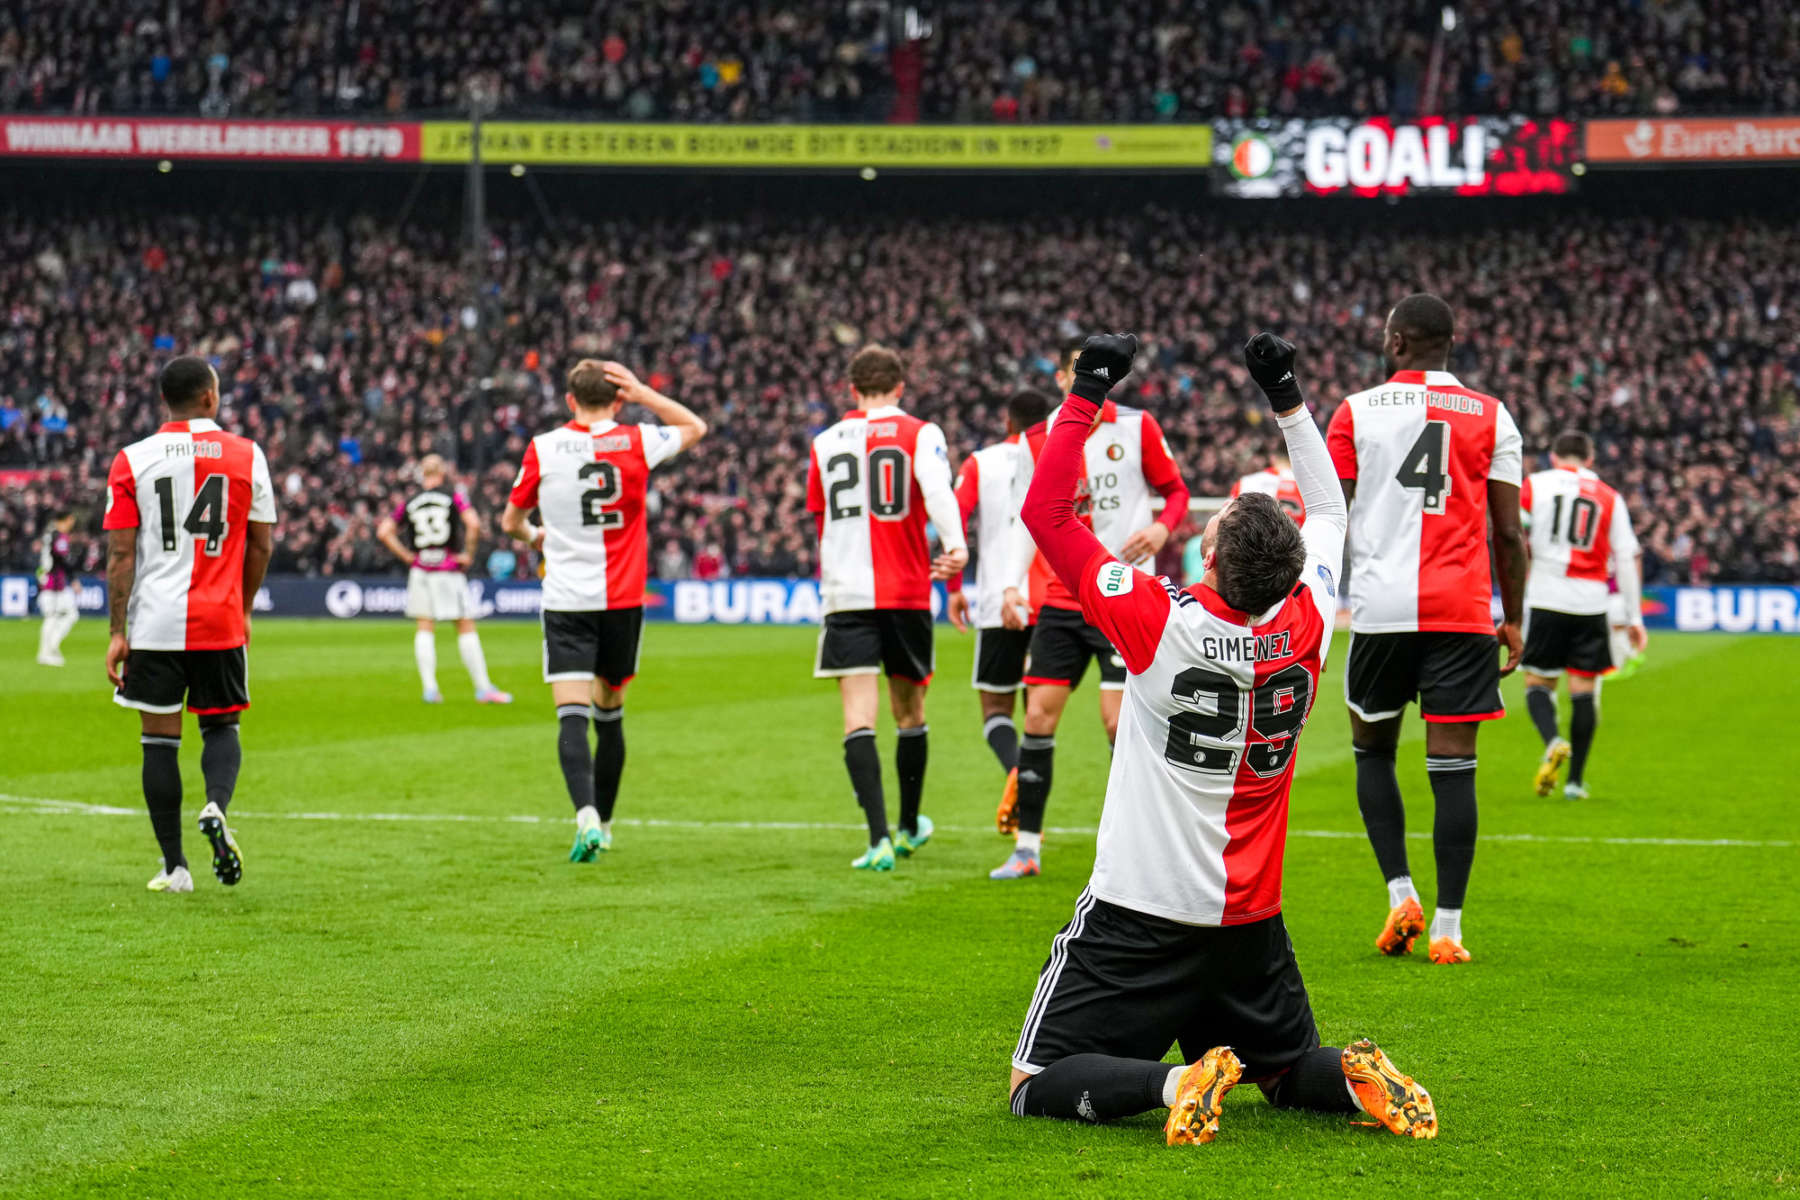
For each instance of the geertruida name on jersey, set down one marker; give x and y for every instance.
(1250, 648)
(1411, 398)
(193, 450)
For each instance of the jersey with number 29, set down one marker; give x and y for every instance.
(188, 489)
(1422, 448)
(588, 484)
(874, 480)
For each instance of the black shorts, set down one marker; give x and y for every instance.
(1130, 985)
(869, 641)
(1061, 645)
(1579, 643)
(1454, 676)
(590, 645)
(1000, 659)
(211, 681)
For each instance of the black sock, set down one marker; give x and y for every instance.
(221, 754)
(1092, 1088)
(1383, 813)
(1540, 702)
(1453, 833)
(863, 761)
(1037, 761)
(573, 753)
(162, 795)
(1584, 721)
(609, 758)
(1003, 739)
(911, 749)
(1315, 1082)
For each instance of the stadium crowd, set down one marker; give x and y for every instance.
(343, 349)
(966, 60)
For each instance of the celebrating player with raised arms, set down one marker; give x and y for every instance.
(1178, 937)
(1581, 537)
(587, 480)
(434, 532)
(1427, 462)
(874, 480)
(991, 488)
(1126, 459)
(190, 512)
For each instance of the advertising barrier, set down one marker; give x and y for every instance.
(1723, 608)
(1477, 156)
(201, 138)
(933, 147)
(1718, 141)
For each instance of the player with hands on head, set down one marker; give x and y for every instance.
(1178, 938)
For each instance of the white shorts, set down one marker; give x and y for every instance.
(1619, 638)
(58, 604)
(437, 595)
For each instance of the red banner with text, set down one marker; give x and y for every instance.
(197, 138)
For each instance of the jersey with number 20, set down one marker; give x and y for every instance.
(188, 489)
(588, 484)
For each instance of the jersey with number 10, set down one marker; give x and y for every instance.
(588, 484)
(1580, 534)
(872, 478)
(188, 489)
(1421, 449)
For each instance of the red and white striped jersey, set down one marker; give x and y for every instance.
(991, 488)
(1279, 483)
(874, 480)
(1421, 449)
(1128, 459)
(188, 489)
(1580, 535)
(588, 484)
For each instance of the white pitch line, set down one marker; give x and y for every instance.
(47, 807)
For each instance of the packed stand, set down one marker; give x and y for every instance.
(342, 349)
(965, 60)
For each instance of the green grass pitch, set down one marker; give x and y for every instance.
(414, 993)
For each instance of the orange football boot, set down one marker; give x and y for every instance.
(1393, 1099)
(1006, 817)
(1194, 1119)
(1405, 922)
(1448, 950)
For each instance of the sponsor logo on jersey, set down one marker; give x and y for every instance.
(1114, 579)
(1325, 575)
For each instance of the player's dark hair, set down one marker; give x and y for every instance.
(1065, 353)
(1572, 443)
(1257, 553)
(876, 371)
(1425, 320)
(183, 381)
(1027, 408)
(590, 386)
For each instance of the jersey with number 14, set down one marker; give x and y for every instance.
(871, 480)
(588, 484)
(1421, 449)
(188, 489)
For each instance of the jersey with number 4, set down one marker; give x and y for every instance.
(874, 480)
(588, 484)
(1579, 533)
(1421, 449)
(189, 489)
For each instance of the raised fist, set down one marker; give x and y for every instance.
(1104, 360)
(1270, 360)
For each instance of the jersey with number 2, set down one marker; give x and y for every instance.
(588, 483)
(1422, 448)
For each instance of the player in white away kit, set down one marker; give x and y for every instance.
(1580, 537)
(1127, 459)
(59, 591)
(435, 532)
(991, 488)
(1428, 464)
(875, 478)
(1178, 938)
(190, 512)
(588, 480)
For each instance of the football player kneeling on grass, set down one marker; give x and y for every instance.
(1178, 938)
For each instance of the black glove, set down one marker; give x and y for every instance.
(1105, 359)
(1271, 363)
